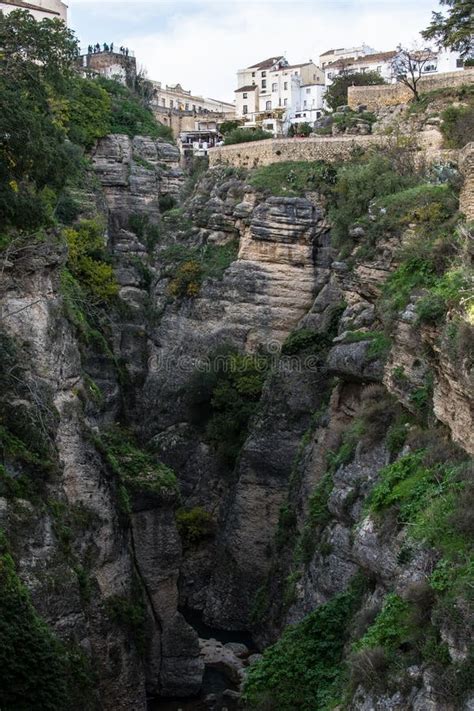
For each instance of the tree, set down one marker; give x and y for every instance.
(408, 66)
(304, 129)
(336, 95)
(454, 30)
(36, 66)
(228, 126)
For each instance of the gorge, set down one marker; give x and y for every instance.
(238, 403)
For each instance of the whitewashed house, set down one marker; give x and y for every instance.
(273, 93)
(40, 9)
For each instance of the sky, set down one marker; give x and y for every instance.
(201, 44)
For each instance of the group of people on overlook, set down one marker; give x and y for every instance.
(97, 49)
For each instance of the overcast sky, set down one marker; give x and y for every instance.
(201, 44)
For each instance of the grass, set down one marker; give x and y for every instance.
(293, 178)
(136, 469)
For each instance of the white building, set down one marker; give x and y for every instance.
(177, 98)
(273, 93)
(333, 55)
(381, 63)
(40, 9)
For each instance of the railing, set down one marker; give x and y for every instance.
(85, 50)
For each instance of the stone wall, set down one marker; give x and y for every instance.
(376, 97)
(257, 153)
(466, 164)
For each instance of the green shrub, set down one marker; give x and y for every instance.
(137, 470)
(129, 613)
(86, 260)
(293, 178)
(186, 281)
(194, 526)
(457, 125)
(356, 187)
(130, 115)
(391, 628)
(224, 398)
(89, 112)
(244, 135)
(304, 669)
(45, 670)
(336, 95)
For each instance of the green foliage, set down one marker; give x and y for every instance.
(224, 398)
(195, 265)
(35, 665)
(404, 483)
(228, 126)
(194, 526)
(458, 125)
(304, 669)
(319, 514)
(86, 260)
(294, 178)
(453, 30)
(137, 470)
(336, 94)
(144, 229)
(129, 613)
(34, 154)
(186, 282)
(379, 342)
(391, 628)
(358, 184)
(130, 114)
(89, 112)
(304, 129)
(244, 135)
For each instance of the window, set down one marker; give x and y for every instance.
(163, 102)
(379, 69)
(270, 127)
(186, 106)
(264, 83)
(285, 86)
(330, 75)
(245, 109)
(268, 106)
(274, 86)
(285, 102)
(264, 74)
(245, 95)
(308, 91)
(305, 102)
(279, 102)
(171, 103)
(253, 74)
(194, 107)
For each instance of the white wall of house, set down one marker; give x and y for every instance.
(40, 9)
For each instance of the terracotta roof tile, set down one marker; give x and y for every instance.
(246, 88)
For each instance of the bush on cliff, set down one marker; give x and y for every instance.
(37, 670)
(244, 135)
(224, 397)
(294, 178)
(304, 669)
(458, 125)
(130, 115)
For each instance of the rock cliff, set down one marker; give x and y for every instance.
(277, 450)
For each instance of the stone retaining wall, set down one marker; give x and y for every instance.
(466, 164)
(257, 153)
(376, 97)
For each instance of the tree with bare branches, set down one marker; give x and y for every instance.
(408, 66)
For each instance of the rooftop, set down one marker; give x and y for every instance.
(31, 6)
(376, 57)
(267, 63)
(252, 87)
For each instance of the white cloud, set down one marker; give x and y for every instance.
(202, 44)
